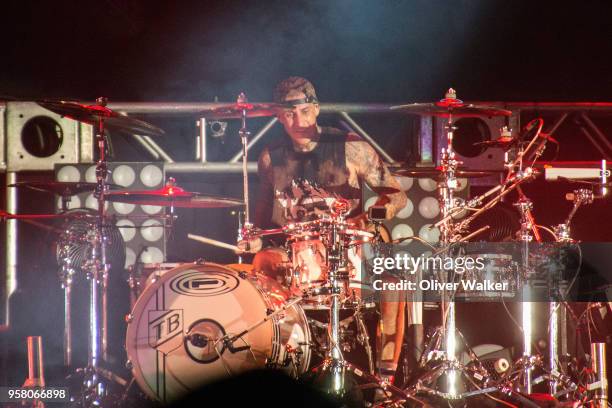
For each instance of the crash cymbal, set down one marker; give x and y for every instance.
(92, 114)
(234, 110)
(172, 196)
(457, 110)
(450, 105)
(436, 173)
(63, 188)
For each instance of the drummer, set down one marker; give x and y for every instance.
(338, 162)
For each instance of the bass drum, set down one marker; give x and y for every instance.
(176, 330)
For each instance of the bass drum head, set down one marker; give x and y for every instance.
(174, 332)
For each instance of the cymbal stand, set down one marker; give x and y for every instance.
(244, 136)
(446, 335)
(66, 273)
(94, 388)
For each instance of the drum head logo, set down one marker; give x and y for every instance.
(163, 326)
(196, 283)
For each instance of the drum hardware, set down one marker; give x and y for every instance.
(171, 196)
(65, 189)
(99, 113)
(94, 384)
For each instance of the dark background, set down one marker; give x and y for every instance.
(353, 51)
(367, 51)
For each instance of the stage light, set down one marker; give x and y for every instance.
(68, 174)
(431, 235)
(152, 255)
(151, 175)
(370, 202)
(123, 208)
(75, 202)
(92, 203)
(129, 175)
(405, 183)
(429, 207)
(152, 230)
(90, 175)
(151, 209)
(402, 231)
(130, 257)
(428, 184)
(127, 229)
(406, 211)
(124, 175)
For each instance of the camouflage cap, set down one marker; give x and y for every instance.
(294, 84)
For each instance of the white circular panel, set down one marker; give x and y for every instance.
(69, 173)
(123, 208)
(90, 174)
(402, 231)
(92, 203)
(369, 202)
(462, 184)
(151, 209)
(428, 184)
(127, 230)
(430, 235)
(75, 202)
(130, 257)
(124, 175)
(429, 207)
(405, 182)
(151, 175)
(152, 255)
(152, 230)
(406, 211)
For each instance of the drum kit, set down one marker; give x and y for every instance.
(193, 323)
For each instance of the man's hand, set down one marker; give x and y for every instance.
(249, 246)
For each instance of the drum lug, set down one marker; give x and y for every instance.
(129, 365)
(128, 318)
(200, 261)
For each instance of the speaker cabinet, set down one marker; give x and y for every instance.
(37, 139)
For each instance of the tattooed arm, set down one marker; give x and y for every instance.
(367, 165)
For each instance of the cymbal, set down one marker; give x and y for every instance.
(450, 105)
(62, 188)
(436, 173)
(171, 196)
(457, 110)
(92, 114)
(234, 110)
(384, 190)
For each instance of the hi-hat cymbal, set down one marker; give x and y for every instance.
(92, 114)
(235, 110)
(436, 173)
(63, 188)
(172, 196)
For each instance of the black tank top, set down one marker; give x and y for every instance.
(325, 165)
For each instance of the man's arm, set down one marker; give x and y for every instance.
(369, 167)
(265, 196)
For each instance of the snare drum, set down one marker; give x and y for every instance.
(178, 333)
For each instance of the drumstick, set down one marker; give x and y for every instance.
(213, 242)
